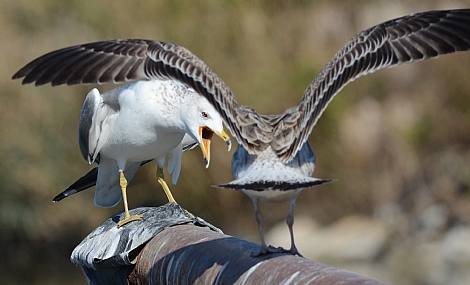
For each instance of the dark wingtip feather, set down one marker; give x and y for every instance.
(86, 181)
(65, 194)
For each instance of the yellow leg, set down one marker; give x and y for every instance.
(128, 218)
(162, 182)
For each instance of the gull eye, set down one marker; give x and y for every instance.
(204, 115)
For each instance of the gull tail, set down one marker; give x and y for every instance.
(262, 185)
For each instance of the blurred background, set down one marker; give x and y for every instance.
(397, 141)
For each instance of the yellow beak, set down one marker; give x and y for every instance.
(205, 134)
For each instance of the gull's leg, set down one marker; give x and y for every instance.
(259, 220)
(162, 182)
(290, 222)
(128, 218)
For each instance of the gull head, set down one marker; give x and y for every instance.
(202, 121)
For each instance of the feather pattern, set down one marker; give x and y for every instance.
(403, 40)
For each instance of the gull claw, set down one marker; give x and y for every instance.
(269, 249)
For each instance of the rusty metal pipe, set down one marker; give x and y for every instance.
(187, 254)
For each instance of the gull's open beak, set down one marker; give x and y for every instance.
(205, 134)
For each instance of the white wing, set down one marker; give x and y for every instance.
(96, 121)
(174, 162)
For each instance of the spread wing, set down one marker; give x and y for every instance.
(123, 61)
(403, 40)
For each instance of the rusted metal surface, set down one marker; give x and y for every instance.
(170, 247)
(193, 255)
